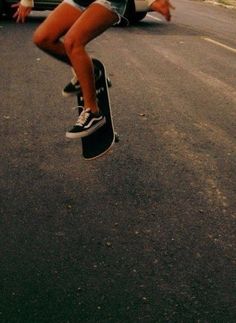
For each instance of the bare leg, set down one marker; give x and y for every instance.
(93, 22)
(48, 35)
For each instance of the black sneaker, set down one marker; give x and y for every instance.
(73, 87)
(86, 124)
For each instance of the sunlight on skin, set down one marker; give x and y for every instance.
(21, 12)
(163, 7)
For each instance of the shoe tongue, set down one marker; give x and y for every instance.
(87, 110)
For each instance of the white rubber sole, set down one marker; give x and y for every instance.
(78, 135)
(67, 95)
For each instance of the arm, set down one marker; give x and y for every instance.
(161, 6)
(24, 8)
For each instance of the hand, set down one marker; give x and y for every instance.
(21, 12)
(163, 7)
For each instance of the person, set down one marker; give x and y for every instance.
(78, 22)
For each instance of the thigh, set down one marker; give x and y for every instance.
(92, 22)
(59, 21)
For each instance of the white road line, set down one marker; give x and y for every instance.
(220, 44)
(205, 38)
(155, 18)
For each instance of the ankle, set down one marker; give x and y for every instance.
(94, 110)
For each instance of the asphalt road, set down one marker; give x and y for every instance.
(147, 232)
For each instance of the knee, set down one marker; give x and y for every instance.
(72, 45)
(41, 39)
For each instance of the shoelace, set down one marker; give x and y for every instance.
(74, 80)
(78, 107)
(83, 117)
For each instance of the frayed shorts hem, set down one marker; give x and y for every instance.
(104, 3)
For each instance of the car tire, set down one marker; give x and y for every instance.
(6, 9)
(1, 8)
(139, 16)
(131, 13)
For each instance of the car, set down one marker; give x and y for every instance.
(135, 11)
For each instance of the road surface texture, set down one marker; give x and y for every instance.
(147, 232)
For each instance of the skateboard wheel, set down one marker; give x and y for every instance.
(117, 138)
(109, 84)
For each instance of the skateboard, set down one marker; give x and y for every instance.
(100, 141)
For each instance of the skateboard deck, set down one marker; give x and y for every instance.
(99, 142)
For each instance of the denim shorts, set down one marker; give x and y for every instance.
(117, 6)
